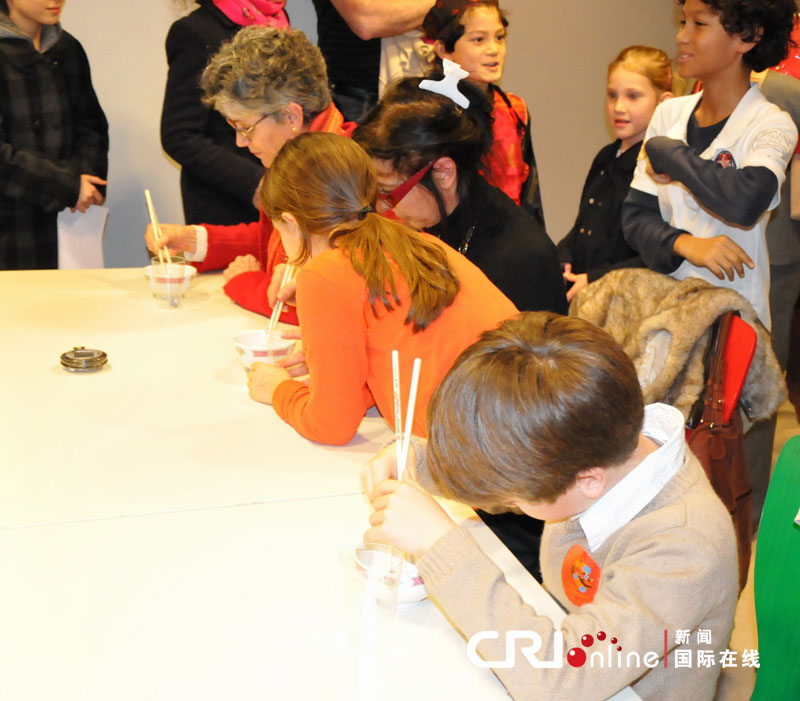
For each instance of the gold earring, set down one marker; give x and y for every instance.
(294, 130)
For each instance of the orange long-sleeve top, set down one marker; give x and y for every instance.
(348, 348)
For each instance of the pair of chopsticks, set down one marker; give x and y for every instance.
(402, 439)
(288, 273)
(163, 251)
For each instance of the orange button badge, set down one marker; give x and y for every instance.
(580, 576)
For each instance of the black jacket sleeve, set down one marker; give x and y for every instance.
(646, 232)
(735, 195)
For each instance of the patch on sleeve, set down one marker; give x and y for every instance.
(580, 576)
(725, 159)
(775, 139)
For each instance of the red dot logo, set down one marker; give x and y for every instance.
(601, 635)
(576, 657)
(587, 641)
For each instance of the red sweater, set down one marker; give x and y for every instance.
(259, 239)
(348, 349)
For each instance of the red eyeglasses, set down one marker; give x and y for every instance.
(392, 198)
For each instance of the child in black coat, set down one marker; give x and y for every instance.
(639, 78)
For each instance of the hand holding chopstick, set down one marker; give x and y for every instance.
(288, 273)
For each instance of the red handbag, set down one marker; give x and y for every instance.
(720, 447)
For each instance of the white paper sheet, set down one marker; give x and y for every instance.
(80, 238)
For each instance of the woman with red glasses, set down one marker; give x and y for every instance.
(428, 154)
(367, 285)
(270, 85)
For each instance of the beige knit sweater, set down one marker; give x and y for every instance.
(673, 567)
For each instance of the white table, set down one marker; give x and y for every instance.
(163, 537)
(167, 426)
(241, 603)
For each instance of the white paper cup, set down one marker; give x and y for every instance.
(169, 281)
(412, 588)
(258, 346)
(372, 576)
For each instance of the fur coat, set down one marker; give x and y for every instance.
(664, 326)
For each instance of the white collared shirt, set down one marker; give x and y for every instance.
(663, 424)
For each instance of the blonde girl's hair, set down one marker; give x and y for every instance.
(328, 183)
(652, 63)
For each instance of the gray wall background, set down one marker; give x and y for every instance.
(557, 58)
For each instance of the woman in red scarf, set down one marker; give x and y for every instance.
(218, 179)
(270, 85)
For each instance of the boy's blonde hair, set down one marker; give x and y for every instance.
(652, 63)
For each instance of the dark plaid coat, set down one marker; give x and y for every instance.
(52, 129)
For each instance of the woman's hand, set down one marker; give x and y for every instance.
(263, 379)
(88, 193)
(241, 264)
(719, 254)
(578, 280)
(176, 237)
(407, 517)
(276, 292)
(383, 466)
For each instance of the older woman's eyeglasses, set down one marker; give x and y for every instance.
(392, 198)
(247, 131)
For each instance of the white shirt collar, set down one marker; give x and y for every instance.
(664, 424)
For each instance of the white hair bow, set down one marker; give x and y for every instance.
(448, 86)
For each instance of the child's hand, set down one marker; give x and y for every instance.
(407, 517)
(578, 280)
(88, 194)
(276, 292)
(263, 379)
(295, 363)
(660, 178)
(239, 265)
(383, 466)
(719, 254)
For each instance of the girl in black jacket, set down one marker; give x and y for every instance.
(638, 79)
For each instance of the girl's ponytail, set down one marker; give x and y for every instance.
(328, 184)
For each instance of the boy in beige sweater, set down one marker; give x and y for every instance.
(545, 414)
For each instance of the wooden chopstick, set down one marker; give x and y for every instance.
(156, 227)
(278, 308)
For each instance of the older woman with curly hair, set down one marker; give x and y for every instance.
(270, 85)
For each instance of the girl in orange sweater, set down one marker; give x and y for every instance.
(368, 285)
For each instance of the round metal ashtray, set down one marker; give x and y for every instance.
(81, 359)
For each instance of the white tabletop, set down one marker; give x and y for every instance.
(164, 537)
(167, 426)
(241, 603)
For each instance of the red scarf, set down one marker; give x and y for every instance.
(248, 12)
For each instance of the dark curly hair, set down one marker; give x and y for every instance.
(766, 22)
